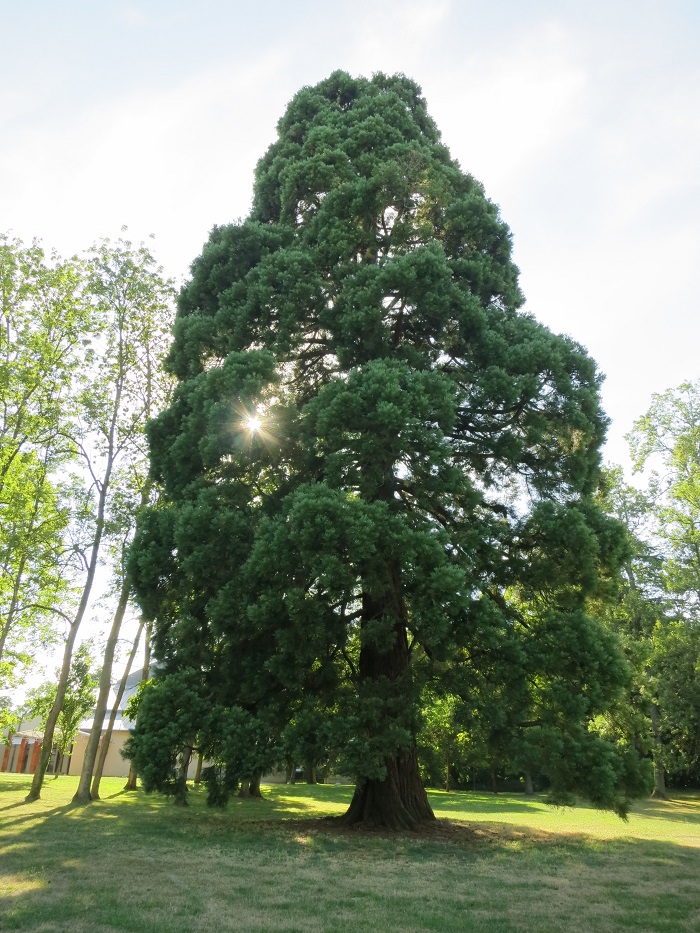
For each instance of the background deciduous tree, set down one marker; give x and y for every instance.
(78, 701)
(130, 388)
(115, 390)
(657, 612)
(44, 322)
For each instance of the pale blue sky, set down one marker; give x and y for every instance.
(581, 119)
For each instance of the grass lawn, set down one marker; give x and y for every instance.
(506, 863)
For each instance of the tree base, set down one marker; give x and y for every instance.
(250, 789)
(399, 802)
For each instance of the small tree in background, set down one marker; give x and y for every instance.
(78, 702)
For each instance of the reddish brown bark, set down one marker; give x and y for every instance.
(399, 800)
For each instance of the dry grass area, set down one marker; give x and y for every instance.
(136, 863)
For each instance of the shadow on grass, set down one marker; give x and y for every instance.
(475, 803)
(682, 809)
(139, 812)
(129, 865)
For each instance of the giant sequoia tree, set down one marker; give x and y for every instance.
(376, 473)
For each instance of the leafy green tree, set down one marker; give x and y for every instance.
(44, 321)
(134, 301)
(676, 679)
(368, 449)
(116, 390)
(666, 442)
(640, 611)
(78, 701)
(137, 301)
(442, 739)
(658, 612)
(308, 739)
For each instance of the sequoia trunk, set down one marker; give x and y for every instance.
(398, 800)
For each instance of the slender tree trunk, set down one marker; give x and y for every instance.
(82, 794)
(50, 727)
(131, 780)
(399, 800)
(659, 791)
(529, 789)
(107, 738)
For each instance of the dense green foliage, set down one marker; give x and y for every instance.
(656, 614)
(377, 473)
(43, 322)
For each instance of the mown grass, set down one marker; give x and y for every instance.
(506, 863)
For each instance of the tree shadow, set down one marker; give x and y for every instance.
(70, 866)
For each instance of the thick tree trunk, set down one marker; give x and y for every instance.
(198, 772)
(529, 789)
(107, 738)
(659, 791)
(399, 800)
(181, 779)
(310, 774)
(250, 788)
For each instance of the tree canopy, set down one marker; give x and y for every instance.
(377, 473)
(43, 322)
